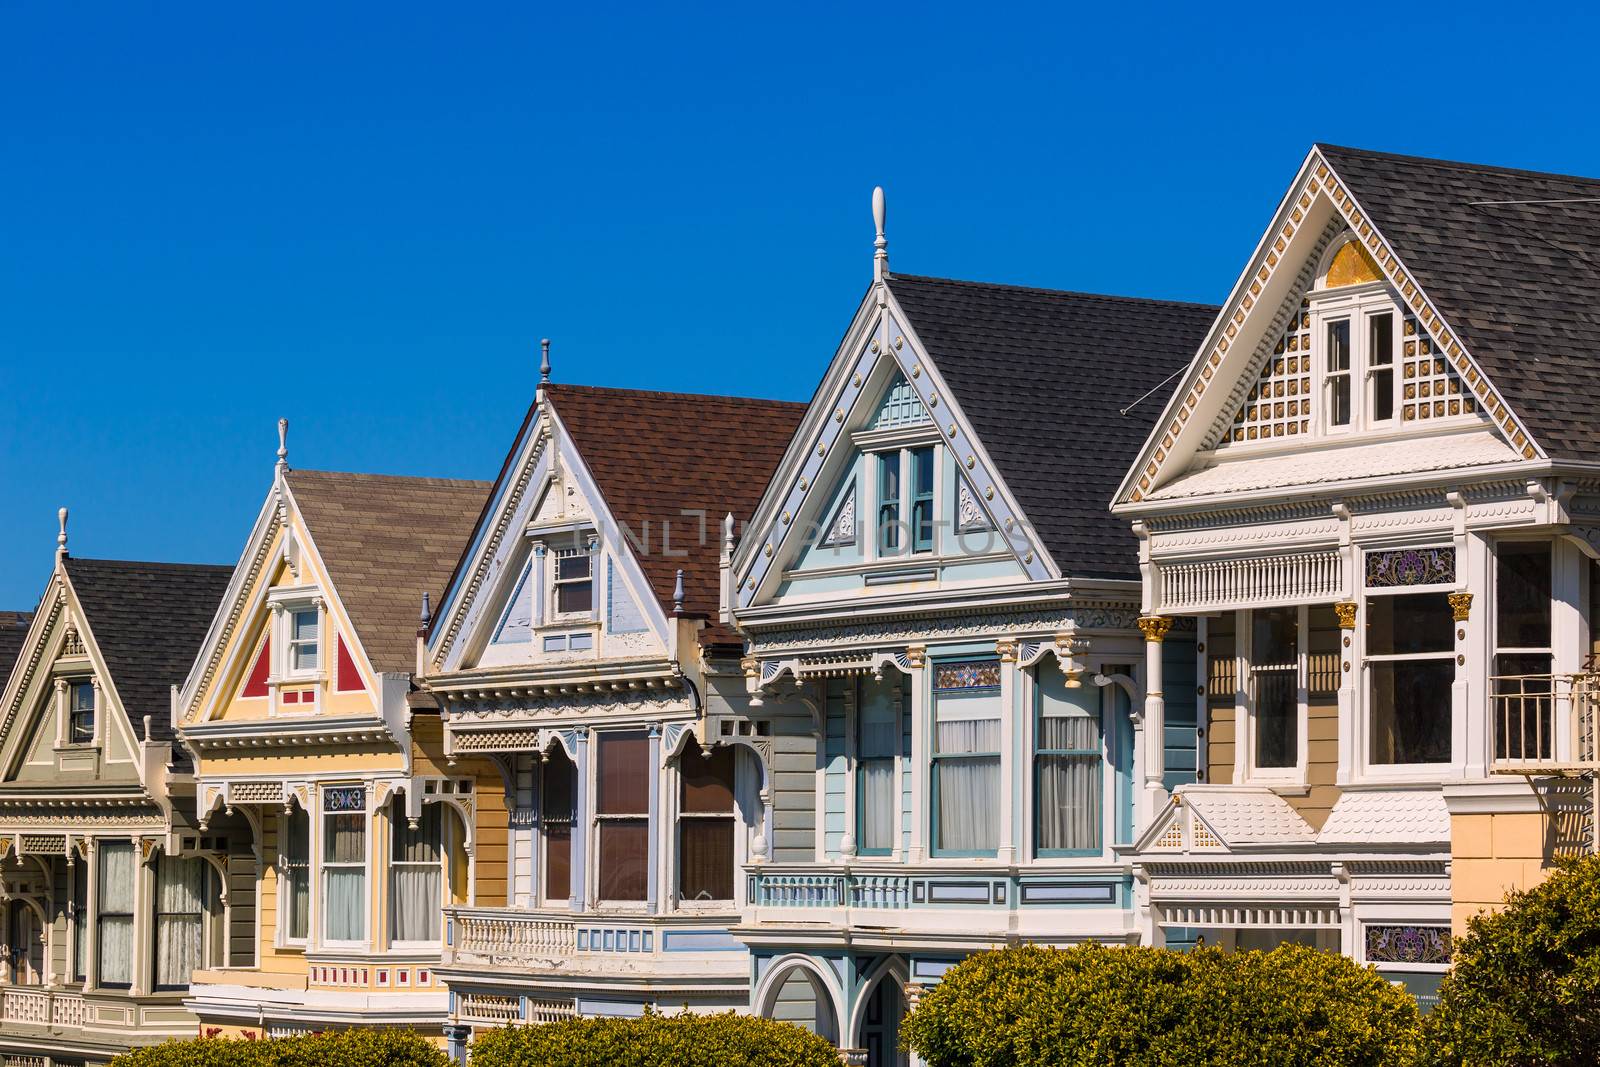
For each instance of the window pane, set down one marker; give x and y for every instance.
(1381, 339)
(1069, 801)
(297, 864)
(706, 859)
(1277, 722)
(875, 805)
(969, 801)
(624, 774)
(1338, 371)
(344, 903)
(1523, 726)
(303, 640)
(555, 816)
(575, 597)
(1339, 345)
(80, 921)
(573, 567)
(1400, 625)
(1383, 395)
(1275, 637)
(180, 907)
(415, 877)
(1411, 711)
(707, 780)
(415, 846)
(346, 839)
(305, 625)
(1522, 594)
(80, 721)
(624, 857)
(889, 502)
(114, 941)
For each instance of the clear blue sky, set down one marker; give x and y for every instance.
(363, 218)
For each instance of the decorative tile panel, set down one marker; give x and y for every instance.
(1279, 405)
(1410, 566)
(973, 674)
(345, 798)
(1431, 388)
(1408, 944)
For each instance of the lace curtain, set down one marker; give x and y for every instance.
(1069, 781)
(180, 914)
(115, 947)
(416, 889)
(968, 785)
(345, 877)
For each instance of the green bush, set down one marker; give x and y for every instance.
(1525, 990)
(684, 1040)
(342, 1048)
(1149, 1007)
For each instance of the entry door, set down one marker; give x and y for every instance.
(27, 951)
(880, 1029)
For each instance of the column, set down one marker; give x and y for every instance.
(653, 892)
(536, 583)
(143, 918)
(578, 901)
(1006, 649)
(1155, 629)
(1350, 732)
(91, 908)
(62, 729)
(595, 588)
(917, 659)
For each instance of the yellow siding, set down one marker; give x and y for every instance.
(1491, 855)
(1222, 685)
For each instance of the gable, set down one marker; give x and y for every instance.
(1239, 360)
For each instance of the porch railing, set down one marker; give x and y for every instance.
(1545, 723)
(41, 1007)
(792, 889)
(499, 934)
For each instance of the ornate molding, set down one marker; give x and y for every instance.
(1346, 611)
(1154, 627)
(1460, 606)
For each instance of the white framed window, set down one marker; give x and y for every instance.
(119, 869)
(184, 891)
(557, 798)
(573, 581)
(80, 712)
(1411, 672)
(80, 921)
(1069, 755)
(1337, 365)
(294, 860)
(965, 770)
(344, 864)
(305, 645)
(1524, 650)
(906, 481)
(416, 874)
(878, 743)
(622, 816)
(1276, 665)
(706, 824)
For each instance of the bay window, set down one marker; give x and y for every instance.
(1275, 686)
(878, 735)
(181, 907)
(706, 824)
(622, 816)
(1411, 668)
(1068, 762)
(415, 874)
(555, 825)
(344, 864)
(966, 758)
(295, 862)
(114, 922)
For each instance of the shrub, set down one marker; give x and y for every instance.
(1525, 991)
(1149, 1007)
(342, 1048)
(684, 1040)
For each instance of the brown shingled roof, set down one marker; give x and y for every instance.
(13, 633)
(656, 455)
(385, 541)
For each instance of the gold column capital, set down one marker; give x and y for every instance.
(1155, 627)
(1346, 610)
(1460, 606)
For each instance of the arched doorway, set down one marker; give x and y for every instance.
(797, 993)
(878, 1014)
(25, 957)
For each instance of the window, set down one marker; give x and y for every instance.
(966, 758)
(1275, 686)
(80, 922)
(295, 860)
(705, 824)
(1067, 766)
(556, 796)
(114, 925)
(922, 500)
(415, 875)
(303, 650)
(623, 816)
(344, 863)
(574, 582)
(877, 745)
(1380, 366)
(1338, 372)
(888, 503)
(80, 713)
(1411, 666)
(180, 919)
(1523, 650)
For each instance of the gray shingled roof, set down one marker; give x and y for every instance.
(13, 632)
(148, 620)
(1042, 375)
(385, 541)
(1520, 283)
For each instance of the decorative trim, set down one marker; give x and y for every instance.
(842, 530)
(1346, 611)
(1408, 944)
(1402, 567)
(1154, 627)
(1460, 606)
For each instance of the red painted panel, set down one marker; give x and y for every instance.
(256, 684)
(349, 678)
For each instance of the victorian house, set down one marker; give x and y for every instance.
(941, 617)
(313, 757)
(1375, 494)
(578, 647)
(110, 897)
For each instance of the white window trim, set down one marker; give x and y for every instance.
(873, 551)
(1110, 737)
(1246, 771)
(319, 936)
(447, 832)
(1382, 773)
(283, 604)
(282, 938)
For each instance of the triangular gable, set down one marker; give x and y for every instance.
(1179, 830)
(881, 366)
(1264, 307)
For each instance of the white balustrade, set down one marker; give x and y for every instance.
(41, 1007)
(1296, 578)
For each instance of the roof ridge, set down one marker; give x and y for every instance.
(412, 478)
(158, 564)
(1147, 300)
(1459, 164)
(611, 390)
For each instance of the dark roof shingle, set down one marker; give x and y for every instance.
(386, 540)
(656, 455)
(1520, 282)
(13, 633)
(1043, 375)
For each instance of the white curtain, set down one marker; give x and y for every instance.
(180, 913)
(969, 786)
(879, 742)
(115, 950)
(297, 871)
(415, 875)
(747, 798)
(345, 877)
(1069, 781)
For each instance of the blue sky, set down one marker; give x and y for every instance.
(364, 217)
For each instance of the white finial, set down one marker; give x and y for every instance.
(283, 443)
(544, 361)
(677, 593)
(880, 258)
(61, 538)
(727, 534)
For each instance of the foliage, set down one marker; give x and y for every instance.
(684, 1040)
(1150, 1007)
(343, 1048)
(1525, 991)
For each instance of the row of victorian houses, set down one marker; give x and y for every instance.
(1052, 616)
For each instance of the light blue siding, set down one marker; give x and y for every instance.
(1178, 682)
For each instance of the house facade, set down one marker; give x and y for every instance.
(311, 751)
(939, 609)
(577, 646)
(109, 895)
(1373, 493)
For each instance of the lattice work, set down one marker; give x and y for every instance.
(1279, 405)
(900, 406)
(1173, 838)
(1431, 389)
(255, 792)
(1203, 837)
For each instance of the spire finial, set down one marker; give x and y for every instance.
(677, 593)
(727, 532)
(427, 611)
(544, 361)
(283, 443)
(61, 538)
(880, 258)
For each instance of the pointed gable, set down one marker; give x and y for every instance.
(1044, 377)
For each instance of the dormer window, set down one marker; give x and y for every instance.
(900, 498)
(574, 582)
(80, 713)
(304, 651)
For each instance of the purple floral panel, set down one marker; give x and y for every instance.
(1408, 944)
(974, 674)
(1411, 566)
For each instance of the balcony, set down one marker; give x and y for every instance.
(51, 1009)
(1544, 724)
